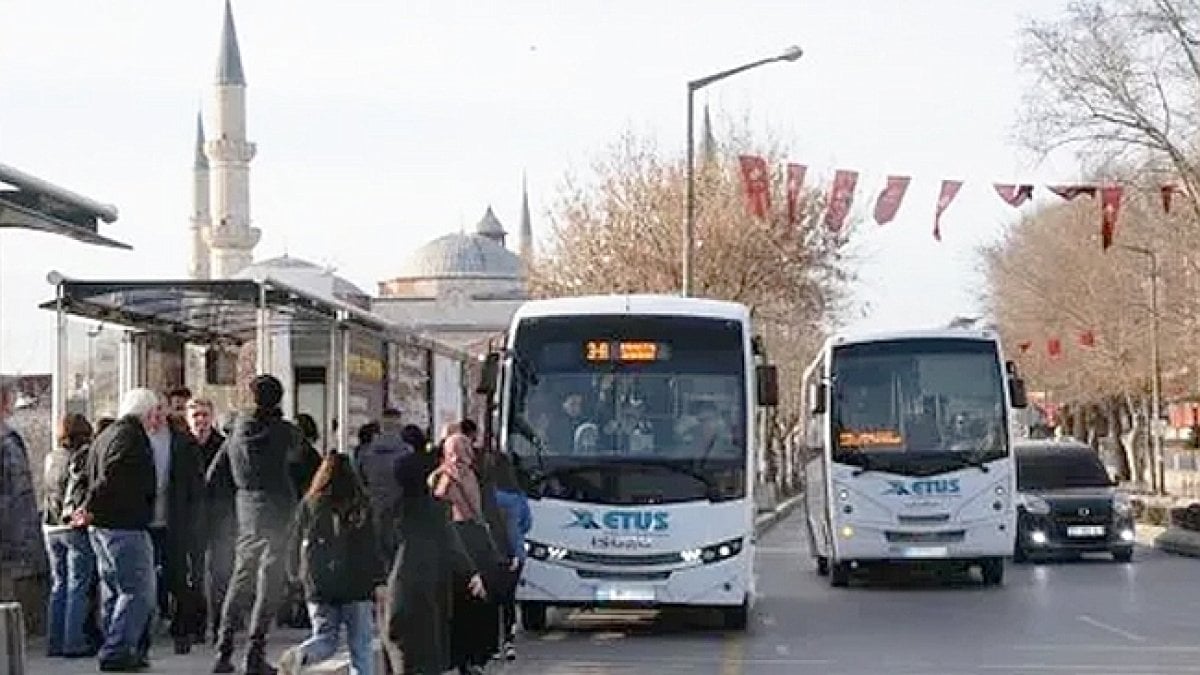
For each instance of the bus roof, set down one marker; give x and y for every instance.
(927, 334)
(633, 304)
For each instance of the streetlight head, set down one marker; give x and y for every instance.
(792, 53)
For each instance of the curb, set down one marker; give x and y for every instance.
(764, 522)
(1179, 541)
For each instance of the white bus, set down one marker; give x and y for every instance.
(631, 422)
(912, 452)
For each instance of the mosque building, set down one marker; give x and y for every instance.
(459, 289)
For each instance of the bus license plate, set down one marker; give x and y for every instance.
(926, 552)
(625, 594)
(1085, 531)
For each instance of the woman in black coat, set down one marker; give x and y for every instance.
(430, 557)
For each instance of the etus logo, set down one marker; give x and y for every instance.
(923, 488)
(622, 521)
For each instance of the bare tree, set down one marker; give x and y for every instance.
(620, 231)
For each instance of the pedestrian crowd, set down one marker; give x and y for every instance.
(159, 521)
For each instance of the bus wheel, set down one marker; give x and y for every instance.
(736, 618)
(822, 565)
(992, 570)
(533, 616)
(1020, 555)
(839, 574)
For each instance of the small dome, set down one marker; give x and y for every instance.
(461, 255)
(307, 277)
(489, 225)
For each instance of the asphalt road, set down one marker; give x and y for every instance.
(1090, 616)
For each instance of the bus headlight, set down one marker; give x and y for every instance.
(722, 551)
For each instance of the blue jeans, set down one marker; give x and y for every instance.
(359, 618)
(72, 576)
(125, 559)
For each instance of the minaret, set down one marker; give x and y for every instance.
(201, 219)
(525, 234)
(231, 240)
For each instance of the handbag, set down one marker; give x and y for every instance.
(497, 580)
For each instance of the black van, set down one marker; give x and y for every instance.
(1067, 503)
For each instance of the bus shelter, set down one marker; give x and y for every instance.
(217, 334)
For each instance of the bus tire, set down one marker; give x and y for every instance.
(839, 574)
(736, 618)
(992, 570)
(1020, 555)
(533, 616)
(822, 566)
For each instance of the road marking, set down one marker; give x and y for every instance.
(1135, 649)
(731, 654)
(1087, 668)
(1132, 637)
(783, 650)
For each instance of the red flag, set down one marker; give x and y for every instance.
(889, 199)
(1024, 345)
(1087, 339)
(950, 189)
(840, 199)
(757, 183)
(1069, 192)
(1014, 195)
(1054, 347)
(795, 180)
(1110, 205)
(1167, 191)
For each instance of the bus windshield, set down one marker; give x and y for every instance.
(621, 409)
(918, 406)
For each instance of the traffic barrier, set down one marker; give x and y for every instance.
(12, 639)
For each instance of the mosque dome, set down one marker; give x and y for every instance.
(480, 255)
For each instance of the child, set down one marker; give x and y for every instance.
(515, 506)
(333, 554)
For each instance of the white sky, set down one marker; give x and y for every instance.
(383, 124)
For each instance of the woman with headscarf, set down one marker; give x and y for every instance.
(475, 620)
(430, 566)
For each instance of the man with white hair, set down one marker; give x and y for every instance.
(119, 507)
(23, 562)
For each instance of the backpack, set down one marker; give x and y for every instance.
(324, 555)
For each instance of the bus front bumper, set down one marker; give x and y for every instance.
(949, 542)
(723, 584)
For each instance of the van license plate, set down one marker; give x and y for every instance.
(625, 593)
(1085, 531)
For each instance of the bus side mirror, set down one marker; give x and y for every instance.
(1016, 392)
(768, 385)
(488, 374)
(820, 392)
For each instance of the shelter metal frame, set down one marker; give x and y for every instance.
(229, 312)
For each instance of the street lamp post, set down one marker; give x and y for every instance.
(1159, 476)
(689, 233)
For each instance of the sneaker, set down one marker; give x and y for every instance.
(510, 651)
(291, 662)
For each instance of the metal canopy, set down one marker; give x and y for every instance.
(221, 311)
(35, 204)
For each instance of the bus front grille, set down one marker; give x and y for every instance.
(943, 537)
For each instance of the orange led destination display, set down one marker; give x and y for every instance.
(867, 438)
(623, 350)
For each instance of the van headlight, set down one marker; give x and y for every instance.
(1035, 505)
(1122, 505)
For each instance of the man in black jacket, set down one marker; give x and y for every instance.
(220, 530)
(255, 458)
(119, 506)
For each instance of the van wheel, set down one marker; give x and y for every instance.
(992, 570)
(822, 566)
(533, 616)
(1123, 555)
(1020, 555)
(839, 574)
